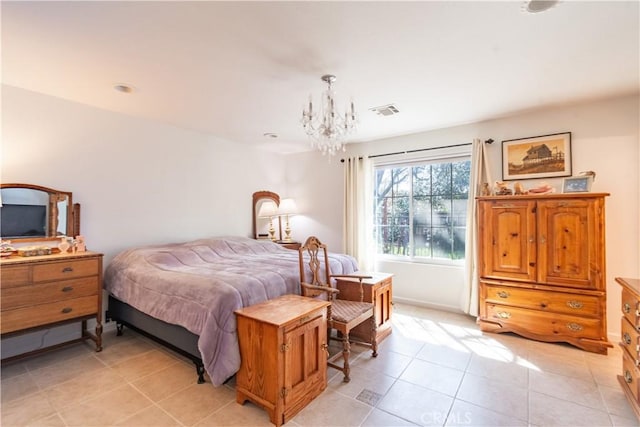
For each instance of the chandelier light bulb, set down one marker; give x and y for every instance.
(327, 127)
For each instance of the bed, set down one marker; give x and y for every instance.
(185, 294)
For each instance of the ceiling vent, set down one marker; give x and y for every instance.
(385, 110)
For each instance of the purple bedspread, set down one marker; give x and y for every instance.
(199, 285)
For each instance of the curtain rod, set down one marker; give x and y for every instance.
(488, 141)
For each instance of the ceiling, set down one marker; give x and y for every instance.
(238, 70)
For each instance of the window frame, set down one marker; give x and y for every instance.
(408, 160)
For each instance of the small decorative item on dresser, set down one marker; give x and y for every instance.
(80, 246)
(34, 251)
(64, 245)
(5, 248)
(502, 189)
(577, 184)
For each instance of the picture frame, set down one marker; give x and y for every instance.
(577, 184)
(545, 156)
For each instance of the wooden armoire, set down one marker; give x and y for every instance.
(542, 267)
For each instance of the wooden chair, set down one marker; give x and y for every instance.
(342, 315)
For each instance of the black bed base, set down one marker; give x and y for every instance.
(172, 336)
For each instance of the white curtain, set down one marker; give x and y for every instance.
(480, 174)
(357, 218)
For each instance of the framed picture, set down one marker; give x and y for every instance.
(543, 156)
(577, 184)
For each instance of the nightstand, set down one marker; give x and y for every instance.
(289, 245)
(283, 352)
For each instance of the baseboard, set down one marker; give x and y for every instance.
(425, 304)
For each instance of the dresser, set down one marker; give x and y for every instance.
(44, 291)
(630, 341)
(283, 351)
(542, 267)
(379, 290)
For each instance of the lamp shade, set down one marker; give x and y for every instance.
(287, 207)
(268, 209)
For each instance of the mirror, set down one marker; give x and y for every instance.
(261, 224)
(31, 212)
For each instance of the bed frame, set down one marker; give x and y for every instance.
(172, 336)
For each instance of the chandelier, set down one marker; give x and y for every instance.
(327, 127)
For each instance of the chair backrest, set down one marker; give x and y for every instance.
(318, 260)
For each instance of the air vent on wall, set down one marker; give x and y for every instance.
(385, 110)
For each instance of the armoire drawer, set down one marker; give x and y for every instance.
(42, 293)
(37, 315)
(630, 308)
(535, 299)
(542, 323)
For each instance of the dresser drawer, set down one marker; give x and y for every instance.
(65, 270)
(542, 323)
(42, 293)
(14, 276)
(630, 307)
(629, 338)
(556, 302)
(29, 317)
(630, 374)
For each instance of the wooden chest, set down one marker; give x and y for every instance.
(283, 350)
(630, 341)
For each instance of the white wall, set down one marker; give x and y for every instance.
(604, 139)
(138, 182)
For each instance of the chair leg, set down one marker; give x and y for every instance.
(346, 351)
(374, 335)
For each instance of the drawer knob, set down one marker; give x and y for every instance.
(626, 308)
(503, 294)
(67, 269)
(503, 315)
(574, 304)
(304, 319)
(627, 377)
(626, 338)
(574, 326)
(67, 289)
(67, 310)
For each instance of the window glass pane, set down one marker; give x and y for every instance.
(383, 183)
(441, 178)
(421, 211)
(441, 242)
(422, 241)
(422, 180)
(401, 184)
(459, 239)
(460, 178)
(459, 216)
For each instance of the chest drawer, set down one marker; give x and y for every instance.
(37, 315)
(630, 307)
(14, 276)
(552, 324)
(556, 302)
(630, 374)
(42, 293)
(629, 339)
(65, 270)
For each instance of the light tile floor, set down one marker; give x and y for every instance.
(436, 368)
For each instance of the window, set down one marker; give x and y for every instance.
(420, 210)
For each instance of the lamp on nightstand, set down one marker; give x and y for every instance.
(269, 209)
(287, 207)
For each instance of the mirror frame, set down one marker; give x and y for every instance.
(259, 196)
(73, 211)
